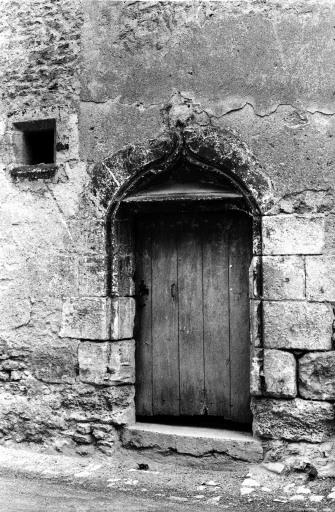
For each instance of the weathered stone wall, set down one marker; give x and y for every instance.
(120, 73)
(52, 246)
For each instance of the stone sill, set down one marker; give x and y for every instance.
(196, 441)
(34, 172)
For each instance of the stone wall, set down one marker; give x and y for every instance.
(52, 247)
(296, 359)
(116, 74)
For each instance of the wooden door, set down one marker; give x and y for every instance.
(192, 323)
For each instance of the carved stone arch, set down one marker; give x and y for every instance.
(222, 150)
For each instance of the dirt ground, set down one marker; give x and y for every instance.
(139, 481)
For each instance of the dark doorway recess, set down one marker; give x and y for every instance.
(213, 422)
(192, 322)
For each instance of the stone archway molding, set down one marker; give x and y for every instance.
(117, 175)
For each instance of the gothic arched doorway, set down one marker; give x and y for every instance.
(193, 243)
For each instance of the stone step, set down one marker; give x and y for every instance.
(196, 441)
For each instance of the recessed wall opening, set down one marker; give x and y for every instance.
(192, 236)
(35, 142)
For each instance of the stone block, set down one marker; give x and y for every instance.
(123, 275)
(257, 245)
(10, 365)
(293, 420)
(330, 234)
(123, 258)
(85, 450)
(283, 277)
(84, 428)
(99, 435)
(105, 435)
(107, 363)
(317, 376)
(255, 277)
(124, 415)
(93, 360)
(16, 375)
(274, 467)
(256, 372)
(320, 278)
(92, 276)
(55, 363)
(83, 403)
(82, 438)
(122, 318)
(297, 325)
(279, 370)
(293, 234)
(256, 314)
(86, 318)
(121, 363)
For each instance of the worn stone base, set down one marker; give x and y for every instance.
(80, 418)
(293, 420)
(194, 441)
(317, 460)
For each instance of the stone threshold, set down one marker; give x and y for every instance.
(196, 441)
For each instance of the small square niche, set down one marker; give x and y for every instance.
(35, 142)
(35, 149)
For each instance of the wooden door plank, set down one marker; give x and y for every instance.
(216, 314)
(190, 317)
(143, 281)
(239, 261)
(165, 318)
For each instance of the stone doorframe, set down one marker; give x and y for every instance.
(218, 152)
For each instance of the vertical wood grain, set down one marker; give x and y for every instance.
(143, 355)
(165, 317)
(216, 314)
(239, 261)
(191, 348)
